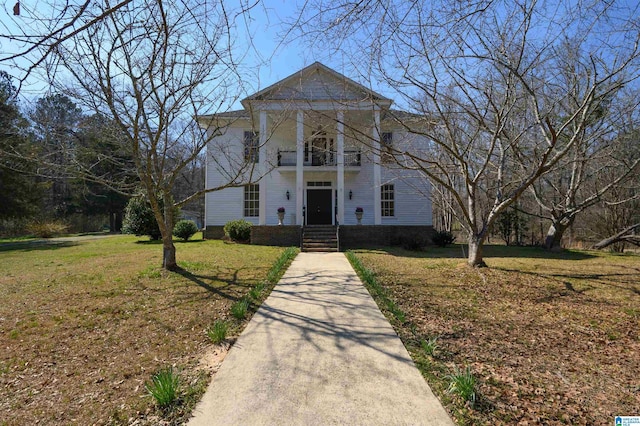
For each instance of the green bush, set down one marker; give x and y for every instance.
(139, 219)
(185, 229)
(414, 243)
(238, 230)
(46, 228)
(443, 238)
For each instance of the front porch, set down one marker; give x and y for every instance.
(328, 146)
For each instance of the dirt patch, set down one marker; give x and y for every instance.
(551, 340)
(212, 358)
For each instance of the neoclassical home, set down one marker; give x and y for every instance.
(315, 152)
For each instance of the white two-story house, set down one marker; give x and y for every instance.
(316, 145)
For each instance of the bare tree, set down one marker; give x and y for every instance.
(489, 80)
(161, 71)
(604, 160)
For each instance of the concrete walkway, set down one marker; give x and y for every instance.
(319, 352)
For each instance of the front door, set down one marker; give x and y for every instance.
(319, 207)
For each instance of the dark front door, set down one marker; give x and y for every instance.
(319, 207)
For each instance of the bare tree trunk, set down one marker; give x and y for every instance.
(626, 235)
(168, 249)
(168, 253)
(476, 246)
(553, 240)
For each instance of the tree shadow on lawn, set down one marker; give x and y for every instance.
(159, 242)
(36, 245)
(621, 281)
(201, 281)
(460, 251)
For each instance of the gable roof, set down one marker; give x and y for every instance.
(317, 82)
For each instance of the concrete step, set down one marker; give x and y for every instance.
(319, 238)
(319, 249)
(320, 244)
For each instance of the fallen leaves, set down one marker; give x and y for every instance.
(552, 342)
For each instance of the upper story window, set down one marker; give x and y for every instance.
(386, 147)
(251, 146)
(387, 202)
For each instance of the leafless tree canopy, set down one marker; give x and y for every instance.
(506, 89)
(157, 68)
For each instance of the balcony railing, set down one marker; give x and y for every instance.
(320, 158)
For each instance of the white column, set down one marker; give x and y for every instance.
(340, 164)
(377, 177)
(262, 157)
(299, 167)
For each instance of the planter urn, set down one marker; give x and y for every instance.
(359, 217)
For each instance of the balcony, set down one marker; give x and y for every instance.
(320, 158)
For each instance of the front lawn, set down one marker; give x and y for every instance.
(84, 324)
(552, 338)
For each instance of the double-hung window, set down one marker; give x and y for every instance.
(387, 200)
(252, 200)
(386, 147)
(251, 145)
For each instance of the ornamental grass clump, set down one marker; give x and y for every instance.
(463, 384)
(240, 308)
(430, 346)
(217, 333)
(164, 387)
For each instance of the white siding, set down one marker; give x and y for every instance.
(224, 155)
(412, 205)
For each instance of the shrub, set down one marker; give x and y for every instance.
(443, 238)
(164, 387)
(46, 228)
(139, 219)
(414, 243)
(185, 229)
(13, 227)
(218, 332)
(238, 230)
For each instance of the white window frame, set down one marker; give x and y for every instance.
(387, 200)
(251, 205)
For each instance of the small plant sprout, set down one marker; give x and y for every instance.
(463, 384)
(164, 387)
(240, 308)
(217, 333)
(430, 346)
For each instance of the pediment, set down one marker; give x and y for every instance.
(317, 83)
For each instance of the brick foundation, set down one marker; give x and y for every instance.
(351, 236)
(284, 236)
(213, 233)
(360, 236)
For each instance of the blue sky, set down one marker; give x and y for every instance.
(259, 38)
(267, 26)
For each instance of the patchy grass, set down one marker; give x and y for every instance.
(85, 324)
(551, 338)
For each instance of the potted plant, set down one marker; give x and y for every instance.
(359, 212)
(280, 215)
